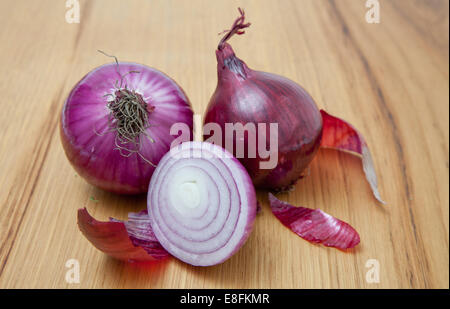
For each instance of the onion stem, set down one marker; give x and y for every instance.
(128, 116)
(236, 28)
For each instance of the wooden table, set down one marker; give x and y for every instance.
(389, 79)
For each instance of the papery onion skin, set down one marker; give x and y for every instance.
(245, 96)
(315, 225)
(201, 206)
(130, 241)
(85, 120)
(340, 135)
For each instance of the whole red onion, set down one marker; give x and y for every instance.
(115, 124)
(247, 96)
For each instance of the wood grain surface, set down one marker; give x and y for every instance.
(391, 80)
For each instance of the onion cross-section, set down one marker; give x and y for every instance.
(201, 203)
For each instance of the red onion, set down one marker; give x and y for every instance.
(201, 203)
(314, 225)
(247, 96)
(115, 124)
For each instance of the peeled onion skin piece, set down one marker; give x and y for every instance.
(247, 96)
(201, 203)
(340, 135)
(135, 244)
(89, 143)
(314, 225)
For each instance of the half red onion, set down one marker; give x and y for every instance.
(201, 203)
(314, 225)
(340, 135)
(131, 240)
(115, 124)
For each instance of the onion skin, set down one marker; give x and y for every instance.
(130, 241)
(246, 96)
(315, 225)
(85, 117)
(340, 135)
(213, 228)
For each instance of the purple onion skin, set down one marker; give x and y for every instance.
(85, 112)
(243, 95)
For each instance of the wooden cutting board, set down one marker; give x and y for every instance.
(390, 79)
